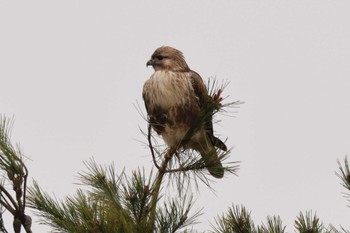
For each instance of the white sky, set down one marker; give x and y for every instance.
(72, 71)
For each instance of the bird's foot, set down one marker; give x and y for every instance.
(170, 153)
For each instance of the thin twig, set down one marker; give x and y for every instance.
(184, 169)
(149, 136)
(8, 195)
(24, 186)
(7, 206)
(156, 188)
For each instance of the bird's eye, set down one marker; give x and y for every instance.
(160, 57)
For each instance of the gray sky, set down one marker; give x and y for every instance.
(72, 71)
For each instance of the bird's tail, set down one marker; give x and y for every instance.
(212, 161)
(218, 143)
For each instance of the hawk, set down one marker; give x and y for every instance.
(174, 96)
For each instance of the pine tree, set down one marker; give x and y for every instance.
(119, 203)
(14, 173)
(115, 202)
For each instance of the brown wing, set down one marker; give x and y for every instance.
(145, 96)
(201, 93)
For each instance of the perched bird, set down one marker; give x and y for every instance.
(174, 96)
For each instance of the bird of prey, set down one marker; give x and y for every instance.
(174, 96)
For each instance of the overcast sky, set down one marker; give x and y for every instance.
(71, 73)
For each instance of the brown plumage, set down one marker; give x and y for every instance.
(173, 96)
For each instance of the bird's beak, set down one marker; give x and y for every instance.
(150, 63)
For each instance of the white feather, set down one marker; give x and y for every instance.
(169, 89)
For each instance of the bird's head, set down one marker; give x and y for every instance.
(168, 58)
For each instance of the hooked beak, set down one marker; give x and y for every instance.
(150, 63)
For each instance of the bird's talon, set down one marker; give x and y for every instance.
(168, 154)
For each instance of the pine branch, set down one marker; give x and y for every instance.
(333, 229)
(2, 226)
(79, 213)
(174, 215)
(15, 173)
(308, 223)
(156, 190)
(137, 195)
(344, 175)
(8, 201)
(274, 225)
(236, 220)
(103, 182)
(110, 203)
(49, 209)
